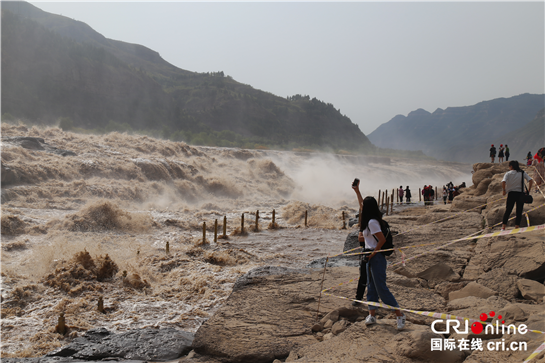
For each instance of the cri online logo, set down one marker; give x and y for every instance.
(478, 327)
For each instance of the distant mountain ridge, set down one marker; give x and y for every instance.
(462, 133)
(55, 67)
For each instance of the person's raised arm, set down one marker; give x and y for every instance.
(360, 199)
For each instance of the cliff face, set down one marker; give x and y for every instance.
(461, 134)
(56, 67)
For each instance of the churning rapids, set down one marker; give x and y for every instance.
(96, 221)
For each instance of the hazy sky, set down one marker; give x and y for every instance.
(371, 60)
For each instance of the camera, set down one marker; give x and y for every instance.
(356, 182)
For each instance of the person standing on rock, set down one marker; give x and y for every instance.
(507, 153)
(400, 193)
(371, 234)
(445, 195)
(451, 194)
(492, 153)
(512, 186)
(539, 167)
(500, 154)
(408, 195)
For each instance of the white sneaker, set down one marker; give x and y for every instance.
(401, 322)
(370, 320)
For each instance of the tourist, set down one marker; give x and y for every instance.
(500, 154)
(507, 153)
(539, 167)
(431, 194)
(425, 194)
(512, 186)
(445, 195)
(400, 193)
(371, 234)
(492, 153)
(451, 191)
(408, 195)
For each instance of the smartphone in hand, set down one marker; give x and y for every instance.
(356, 182)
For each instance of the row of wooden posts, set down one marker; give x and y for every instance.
(241, 225)
(383, 200)
(224, 236)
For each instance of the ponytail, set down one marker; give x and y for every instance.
(515, 165)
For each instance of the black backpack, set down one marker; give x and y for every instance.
(389, 244)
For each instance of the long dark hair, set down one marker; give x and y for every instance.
(515, 165)
(370, 211)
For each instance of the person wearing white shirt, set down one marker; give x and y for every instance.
(512, 186)
(371, 233)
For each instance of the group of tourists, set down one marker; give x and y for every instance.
(428, 194)
(404, 193)
(503, 151)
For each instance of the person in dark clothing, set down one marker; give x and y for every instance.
(507, 153)
(500, 154)
(451, 194)
(362, 282)
(408, 195)
(492, 153)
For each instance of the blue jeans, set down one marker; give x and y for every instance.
(376, 282)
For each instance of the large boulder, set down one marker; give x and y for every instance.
(351, 241)
(501, 281)
(439, 272)
(472, 289)
(379, 342)
(468, 202)
(269, 317)
(531, 290)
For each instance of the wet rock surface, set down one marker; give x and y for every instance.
(143, 344)
(36, 143)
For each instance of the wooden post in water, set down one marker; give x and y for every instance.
(167, 248)
(435, 193)
(273, 217)
(61, 325)
(387, 204)
(419, 194)
(378, 200)
(257, 221)
(306, 215)
(397, 195)
(224, 226)
(392, 206)
(101, 305)
(242, 223)
(344, 222)
(383, 200)
(203, 232)
(216, 231)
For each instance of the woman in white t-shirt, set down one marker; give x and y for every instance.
(371, 233)
(512, 186)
